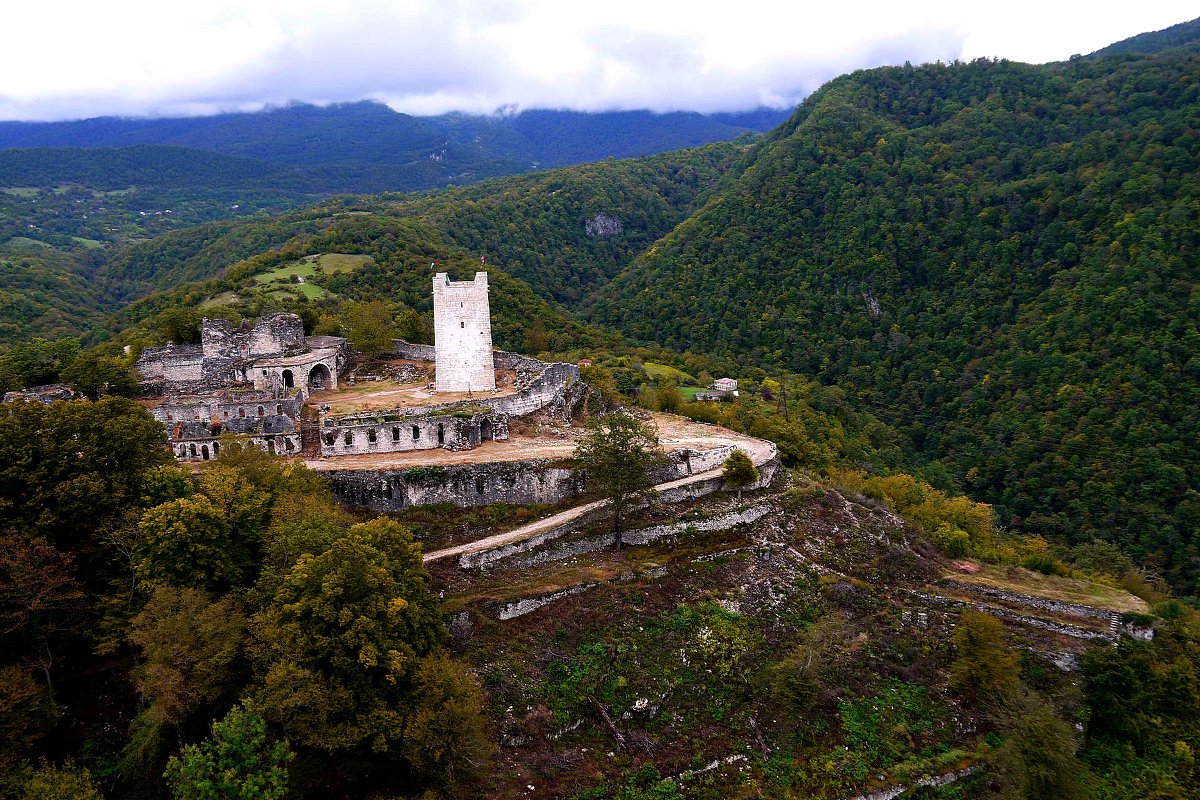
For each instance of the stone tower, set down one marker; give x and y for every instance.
(462, 334)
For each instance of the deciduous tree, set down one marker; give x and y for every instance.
(618, 453)
(739, 471)
(239, 762)
(344, 637)
(191, 646)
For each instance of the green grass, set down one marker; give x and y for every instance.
(25, 241)
(90, 244)
(21, 191)
(223, 299)
(309, 290)
(663, 372)
(306, 267)
(689, 392)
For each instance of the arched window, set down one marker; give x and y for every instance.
(279, 409)
(241, 412)
(395, 434)
(261, 411)
(348, 439)
(371, 435)
(216, 448)
(329, 439)
(416, 431)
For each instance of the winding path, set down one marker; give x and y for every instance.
(759, 450)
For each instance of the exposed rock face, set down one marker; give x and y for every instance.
(602, 225)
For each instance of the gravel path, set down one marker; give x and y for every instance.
(759, 450)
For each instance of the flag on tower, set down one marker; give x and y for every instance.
(483, 259)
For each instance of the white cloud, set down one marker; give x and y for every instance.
(63, 59)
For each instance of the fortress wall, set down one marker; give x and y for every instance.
(205, 408)
(416, 352)
(519, 482)
(172, 362)
(276, 334)
(379, 434)
(553, 386)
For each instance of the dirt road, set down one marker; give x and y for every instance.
(759, 450)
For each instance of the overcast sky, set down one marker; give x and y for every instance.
(63, 59)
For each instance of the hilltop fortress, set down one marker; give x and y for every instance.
(455, 422)
(292, 394)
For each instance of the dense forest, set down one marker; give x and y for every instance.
(962, 300)
(998, 259)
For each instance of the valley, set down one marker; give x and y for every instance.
(849, 452)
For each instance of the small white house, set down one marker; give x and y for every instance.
(725, 385)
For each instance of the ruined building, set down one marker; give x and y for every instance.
(273, 354)
(251, 381)
(254, 381)
(462, 333)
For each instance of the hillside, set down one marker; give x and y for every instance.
(1181, 35)
(1000, 259)
(535, 226)
(113, 245)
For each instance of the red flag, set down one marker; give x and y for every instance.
(483, 259)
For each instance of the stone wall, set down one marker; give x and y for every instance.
(223, 358)
(196, 423)
(46, 395)
(402, 431)
(416, 352)
(556, 387)
(518, 482)
(272, 335)
(462, 334)
(204, 448)
(172, 363)
(227, 406)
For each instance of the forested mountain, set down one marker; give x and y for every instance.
(1000, 259)
(1183, 34)
(534, 226)
(106, 247)
(364, 147)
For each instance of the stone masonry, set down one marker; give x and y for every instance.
(462, 330)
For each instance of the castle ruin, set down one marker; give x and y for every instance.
(462, 334)
(251, 380)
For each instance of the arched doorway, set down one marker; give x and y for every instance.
(441, 434)
(485, 430)
(204, 451)
(320, 378)
(289, 380)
